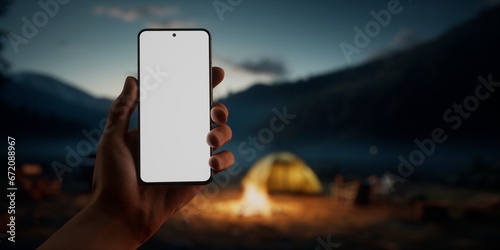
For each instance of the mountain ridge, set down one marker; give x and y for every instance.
(45, 98)
(399, 96)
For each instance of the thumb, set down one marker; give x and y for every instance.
(121, 110)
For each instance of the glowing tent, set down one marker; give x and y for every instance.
(283, 172)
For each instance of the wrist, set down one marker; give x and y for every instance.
(119, 225)
(94, 228)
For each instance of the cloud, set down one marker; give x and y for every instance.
(132, 14)
(264, 66)
(239, 78)
(172, 24)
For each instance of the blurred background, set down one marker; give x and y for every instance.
(356, 124)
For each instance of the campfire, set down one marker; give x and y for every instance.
(279, 173)
(255, 201)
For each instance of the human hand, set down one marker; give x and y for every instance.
(134, 210)
(115, 186)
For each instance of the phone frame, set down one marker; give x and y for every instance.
(210, 122)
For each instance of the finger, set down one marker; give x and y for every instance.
(219, 136)
(133, 136)
(134, 130)
(221, 161)
(121, 109)
(219, 113)
(133, 143)
(217, 76)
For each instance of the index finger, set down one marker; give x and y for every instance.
(217, 76)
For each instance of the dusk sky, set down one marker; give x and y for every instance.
(93, 44)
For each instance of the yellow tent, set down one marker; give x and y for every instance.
(283, 172)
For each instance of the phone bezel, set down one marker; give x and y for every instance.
(211, 123)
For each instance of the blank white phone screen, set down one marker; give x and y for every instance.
(174, 105)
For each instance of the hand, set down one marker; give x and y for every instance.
(115, 184)
(132, 210)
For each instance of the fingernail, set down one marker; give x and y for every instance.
(213, 162)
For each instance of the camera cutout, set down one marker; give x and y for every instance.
(174, 35)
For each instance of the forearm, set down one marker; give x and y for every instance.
(91, 229)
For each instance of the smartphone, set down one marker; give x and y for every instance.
(175, 96)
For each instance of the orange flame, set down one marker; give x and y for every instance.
(255, 201)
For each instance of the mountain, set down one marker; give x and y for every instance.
(49, 86)
(387, 102)
(364, 118)
(400, 97)
(33, 98)
(47, 117)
